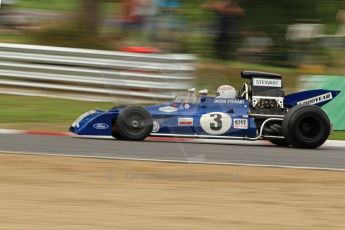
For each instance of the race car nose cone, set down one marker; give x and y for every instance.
(72, 129)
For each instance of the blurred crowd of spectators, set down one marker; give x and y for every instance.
(157, 22)
(150, 16)
(160, 20)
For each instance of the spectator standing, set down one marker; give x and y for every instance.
(150, 19)
(130, 20)
(138, 14)
(7, 18)
(168, 18)
(341, 19)
(228, 14)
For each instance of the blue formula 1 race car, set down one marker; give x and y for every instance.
(259, 110)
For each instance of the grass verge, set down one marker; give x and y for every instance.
(338, 135)
(56, 5)
(19, 112)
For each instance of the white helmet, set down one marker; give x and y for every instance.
(226, 91)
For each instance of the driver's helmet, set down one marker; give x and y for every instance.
(226, 91)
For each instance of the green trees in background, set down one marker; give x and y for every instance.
(80, 28)
(272, 16)
(269, 16)
(89, 16)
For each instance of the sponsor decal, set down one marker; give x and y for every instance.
(267, 82)
(168, 109)
(228, 101)
(76, 123)
(101, 126)
(185, 121)
(186, 106)
(156, 127)
(215, 123)
(241, 123)
(316, 100)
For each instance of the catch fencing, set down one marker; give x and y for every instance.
(93, 75)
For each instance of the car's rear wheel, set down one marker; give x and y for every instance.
(279, 142)
(133, 123)
(306, 126)
(274, 128)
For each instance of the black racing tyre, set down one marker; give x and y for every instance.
(115, 131)
(279, 142)
(306, 126)
(119, 107)
(133, 123)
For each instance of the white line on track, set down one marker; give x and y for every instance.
(173, 161)
(329, 143)
(10, 131)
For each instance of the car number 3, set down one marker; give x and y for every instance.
(215, 123)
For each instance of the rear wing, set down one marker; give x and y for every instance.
(256, 74)
(318, 97)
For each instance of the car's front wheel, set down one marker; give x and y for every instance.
(306, 126)
(133, 123)
(115, 131)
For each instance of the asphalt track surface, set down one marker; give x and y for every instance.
(327, 157)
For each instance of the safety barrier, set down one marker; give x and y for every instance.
(93, 75)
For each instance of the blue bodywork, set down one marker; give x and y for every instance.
(209, 116)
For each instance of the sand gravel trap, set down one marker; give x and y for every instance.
(39, 192)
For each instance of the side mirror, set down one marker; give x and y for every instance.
(203, 102)
(203, 94)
